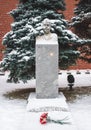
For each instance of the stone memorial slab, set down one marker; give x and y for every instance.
(47, 67)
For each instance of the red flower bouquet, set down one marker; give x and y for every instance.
(44, 118)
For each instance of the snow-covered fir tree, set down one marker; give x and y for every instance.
(20, 41)
(82, 24)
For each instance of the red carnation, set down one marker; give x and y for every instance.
(43, 118)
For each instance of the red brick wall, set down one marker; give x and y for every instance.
(69, 9)
(70, 4)
(5, 21)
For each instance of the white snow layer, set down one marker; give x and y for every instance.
(13, 114)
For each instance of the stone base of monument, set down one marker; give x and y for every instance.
(50, 104)
(56, 108)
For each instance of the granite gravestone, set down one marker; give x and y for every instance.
(47, 63)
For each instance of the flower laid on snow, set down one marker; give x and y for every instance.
(44, 118)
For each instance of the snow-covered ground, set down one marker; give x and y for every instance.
(81, 112)
(13, 114)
